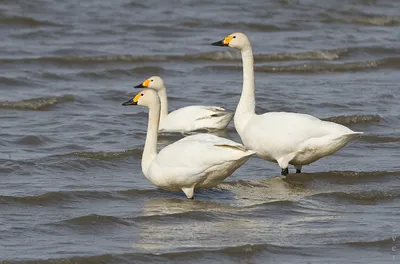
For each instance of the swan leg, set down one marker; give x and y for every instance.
(285, 171)
(298, 168)
(189, 192)
(284, 163)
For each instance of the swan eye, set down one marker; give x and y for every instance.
(141, 94)
(151, 80)
(234, 36)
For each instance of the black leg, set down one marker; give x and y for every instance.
(298, 171)
(285, 171)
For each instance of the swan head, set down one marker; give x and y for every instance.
(146, 97)
(235, 40)
(154, 82)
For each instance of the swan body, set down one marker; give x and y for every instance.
(189, 118)
(197, 161)
(282, 137)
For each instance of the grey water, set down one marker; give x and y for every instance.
(71, 186)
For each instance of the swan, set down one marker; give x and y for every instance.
(197, 161)
(187, 118)
(282, 137)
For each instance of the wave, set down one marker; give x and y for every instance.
(235, 253)
(377, 139)
(364, 19)
(6, 81)
(363, 197)
(340, 177)
(392, 63)
(32, 140)
(25, 21)
(68, 196)
(354, 119)
(37, 104)
(94, 220)
(102, 155)
(57, 197)
(386, 243)
(124, 72)
(221, 55)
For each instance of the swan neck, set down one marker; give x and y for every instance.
(150, 145)
(247, 99)
(162, 94)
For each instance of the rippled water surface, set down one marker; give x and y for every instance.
(71, 187)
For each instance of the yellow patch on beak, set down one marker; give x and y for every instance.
(227, 40)
(146, 83)
(136, 98)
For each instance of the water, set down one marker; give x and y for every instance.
(71, 187)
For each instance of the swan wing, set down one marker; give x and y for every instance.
(184, 161)
(284, 132)
(196, 117)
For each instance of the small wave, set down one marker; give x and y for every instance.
(12, 82)
(235, 254)
(32, 140)
(377, 139)
(56, 197)
(364, 197)
(102, 155)
(223, 55)
(124, 72)
(94, 220)
(308, 55)
(387, 243)
(375, 20)
(24, 21)
(206, 216)
(340, 177)
(321, 67)
(37, 104)
(354, 119)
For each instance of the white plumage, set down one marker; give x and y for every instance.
(197, 161)
(189, 118)
(285, 138)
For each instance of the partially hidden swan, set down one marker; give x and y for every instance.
(187, 118)
(197, 161)
(282, 137)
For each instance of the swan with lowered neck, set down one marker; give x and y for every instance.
(282, 137)
(197, 161)
(189, 118)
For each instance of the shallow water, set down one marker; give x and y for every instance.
(71, 187)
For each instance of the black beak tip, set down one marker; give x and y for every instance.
(218, 43)
(138, 86)
(130, 102)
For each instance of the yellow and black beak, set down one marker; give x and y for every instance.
(133, 101)
(130, 102)
(144, 84)
(224, 42)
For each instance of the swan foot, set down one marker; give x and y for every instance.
(298, 170)
(285, 171)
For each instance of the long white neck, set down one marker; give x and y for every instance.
(162, 94)
(150, 146)
(246, 106)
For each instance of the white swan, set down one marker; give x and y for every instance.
(187, 118)
(198, 161)
(285, 138)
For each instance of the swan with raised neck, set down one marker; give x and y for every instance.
(282, 137)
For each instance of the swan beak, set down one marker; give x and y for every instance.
(219, 43)
(144, 84)
(130, 102)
